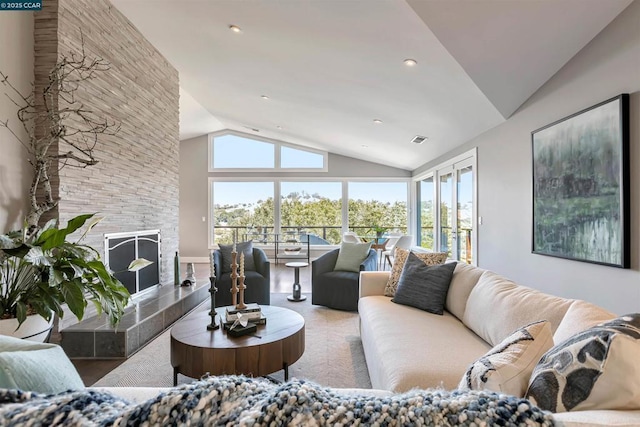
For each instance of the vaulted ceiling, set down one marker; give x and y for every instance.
(329, 68)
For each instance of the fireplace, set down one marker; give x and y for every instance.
(122, 248)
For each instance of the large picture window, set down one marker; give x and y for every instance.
(317, 208)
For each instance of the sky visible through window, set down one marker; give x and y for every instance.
(231, 151)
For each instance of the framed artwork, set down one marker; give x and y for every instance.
(581, 185)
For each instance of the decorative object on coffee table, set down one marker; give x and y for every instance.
(234, 276)
(297, 292)
(241, 286)
(212, 292)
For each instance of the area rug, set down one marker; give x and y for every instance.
(333, 353)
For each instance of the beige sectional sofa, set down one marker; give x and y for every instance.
(409, 348)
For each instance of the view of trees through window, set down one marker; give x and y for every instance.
(311, 207)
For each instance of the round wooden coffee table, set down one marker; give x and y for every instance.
(196, 351)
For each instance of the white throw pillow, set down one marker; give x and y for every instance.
(506, 368)
(595, 369)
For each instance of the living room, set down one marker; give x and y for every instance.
(146, 164)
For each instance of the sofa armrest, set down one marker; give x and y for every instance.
(261, 262)
(373, 282)
(370, 263)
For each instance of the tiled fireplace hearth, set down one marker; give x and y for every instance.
(150, 314)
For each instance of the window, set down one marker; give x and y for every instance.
(314, 207)
(317, 208)
(239, 207)
(382, 204)
(300, 159)
(232, 151)
(447, 203)
(425, 219)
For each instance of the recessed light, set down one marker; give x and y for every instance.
(235, 28)
(377, 121)
(264, 97)
(410, 62)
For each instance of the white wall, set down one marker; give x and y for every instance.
(16, 61)
(608, 66)
(194, 202)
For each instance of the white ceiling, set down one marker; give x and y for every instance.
(330, 67)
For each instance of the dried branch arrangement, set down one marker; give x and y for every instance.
(61, 131)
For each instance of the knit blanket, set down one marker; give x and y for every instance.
(238, 400)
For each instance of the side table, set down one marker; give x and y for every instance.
(297, 294)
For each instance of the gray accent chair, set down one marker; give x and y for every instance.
(338, 289)
(258, 282)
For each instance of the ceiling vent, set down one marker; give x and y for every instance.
(419, 139)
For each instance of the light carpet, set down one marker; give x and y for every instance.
(333, 353)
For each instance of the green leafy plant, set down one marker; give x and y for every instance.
(41, 271)
(379, 230)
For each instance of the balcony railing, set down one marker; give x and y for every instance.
(332, 234)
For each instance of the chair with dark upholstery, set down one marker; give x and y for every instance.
(258, 282)
(338, 289)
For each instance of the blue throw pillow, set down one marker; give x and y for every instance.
(351, 255)
(34, 366)
(245, 248)
(424, 286)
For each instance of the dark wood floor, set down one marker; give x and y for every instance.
(91, 370)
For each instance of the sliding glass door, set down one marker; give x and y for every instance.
(446, 209)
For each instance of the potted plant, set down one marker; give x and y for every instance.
(42, 271)
(379, 230)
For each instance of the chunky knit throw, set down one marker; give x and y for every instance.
(238, 400)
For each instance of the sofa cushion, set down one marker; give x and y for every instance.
(33, 366)
(507, 367)
(424, 286)
(580, 316)
(406, 347)
(464, 278)
(399, 258)
(245, 248)
(497, 306)
(351, 256)
(595, 369)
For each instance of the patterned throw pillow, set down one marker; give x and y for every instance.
(595, 369)
(507, 367)
(399, 258)
(245, 248)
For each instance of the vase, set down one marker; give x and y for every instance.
(34, 328)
